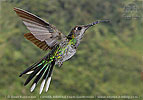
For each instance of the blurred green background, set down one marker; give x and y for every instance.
(109, 60)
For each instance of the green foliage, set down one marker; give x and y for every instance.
(108, 61)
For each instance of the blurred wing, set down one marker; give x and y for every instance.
(43, 34)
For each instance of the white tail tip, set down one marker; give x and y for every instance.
(42, 86)
(48, 83)
(38, 73)
(30, 72)
(33, 87)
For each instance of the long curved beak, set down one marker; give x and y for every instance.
(94, 23)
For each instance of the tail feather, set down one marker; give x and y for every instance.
(51, 69)
(32, 75)
(46, 77)
(39, 75)
(42, 86)
(30, 68)
(46, 73)
(48, 83)
(42, 69)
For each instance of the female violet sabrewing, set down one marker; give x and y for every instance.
(47, 36)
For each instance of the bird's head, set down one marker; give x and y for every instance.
(78, 31)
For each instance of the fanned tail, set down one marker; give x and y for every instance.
(40, 70)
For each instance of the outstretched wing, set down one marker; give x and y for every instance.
(43, 34)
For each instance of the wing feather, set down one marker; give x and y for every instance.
(42, 34)
(41, 44)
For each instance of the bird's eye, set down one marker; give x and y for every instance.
(79, 28)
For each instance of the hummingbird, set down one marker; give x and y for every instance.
(47, 37)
